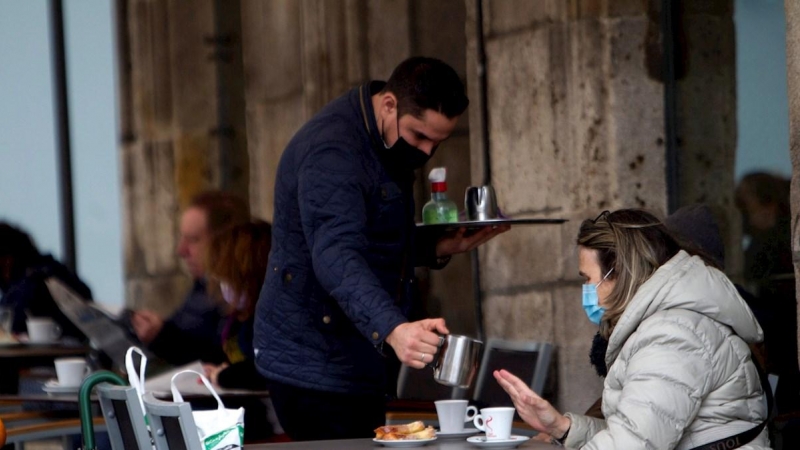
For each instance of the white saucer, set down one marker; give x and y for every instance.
(405, 443)
(52, 387)
(511, 442)
(458, 434)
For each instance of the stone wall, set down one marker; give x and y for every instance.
(182, 131)
(793, 81)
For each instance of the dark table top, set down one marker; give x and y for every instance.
(55, 350)
(358, 444)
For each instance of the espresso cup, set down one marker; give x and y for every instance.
(71, 371)
(495, 422)
(42, 330)
(453, 414)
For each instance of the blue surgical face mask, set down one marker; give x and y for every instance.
(591, 302)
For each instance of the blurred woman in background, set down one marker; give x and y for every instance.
(237, 260)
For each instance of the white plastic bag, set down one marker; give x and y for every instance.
(136, 379)
(219, 428)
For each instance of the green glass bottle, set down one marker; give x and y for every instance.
(439, 209)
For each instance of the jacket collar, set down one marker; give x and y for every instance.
(685, 282)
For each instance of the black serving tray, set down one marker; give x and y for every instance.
(473, 226)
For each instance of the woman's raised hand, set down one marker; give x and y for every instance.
(534, 410)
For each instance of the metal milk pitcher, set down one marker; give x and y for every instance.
(457, 361)
(480, 203)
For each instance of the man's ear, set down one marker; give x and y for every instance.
(388, 103)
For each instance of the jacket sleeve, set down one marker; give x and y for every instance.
(333, 212)
(667, 375)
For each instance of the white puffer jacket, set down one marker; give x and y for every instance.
(678, 375)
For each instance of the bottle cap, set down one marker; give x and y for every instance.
(437, 177)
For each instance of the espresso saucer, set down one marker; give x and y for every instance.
(405, 443)
(52, 387)
(467, 432)
(511, 442)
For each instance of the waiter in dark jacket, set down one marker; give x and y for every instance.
(334, 307)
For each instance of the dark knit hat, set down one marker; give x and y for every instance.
(695, 225)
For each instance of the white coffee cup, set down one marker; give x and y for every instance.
(495, 422)
(453, 414)
(71, 371)
(42, 330)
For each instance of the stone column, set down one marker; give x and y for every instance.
(181, 131)
(576, 126)
(706, 117)
(793, 81)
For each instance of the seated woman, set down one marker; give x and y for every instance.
(680, 374)
(237, 261)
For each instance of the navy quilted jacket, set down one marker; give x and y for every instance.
(342, 260)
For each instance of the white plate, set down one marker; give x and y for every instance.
(52, 387)
(458, 434)
(405, 443)
(511, 442)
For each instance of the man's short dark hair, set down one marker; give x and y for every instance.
(422, 83)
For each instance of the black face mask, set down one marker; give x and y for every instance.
(405, 154)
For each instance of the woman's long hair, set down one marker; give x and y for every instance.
(238, 256)
(635, 244)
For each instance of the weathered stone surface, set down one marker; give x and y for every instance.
(269, 128)
(708, 141)
(271, 49)
(520, 316)
(793, 82)
(151, 210)
(174, 130)
(450, 295)
(507, 16)
(523, 257)
(636, 116)
(388, 36)
(151, 74)
(324, 40)
(161, 294)
(437, 30)
(191, 52)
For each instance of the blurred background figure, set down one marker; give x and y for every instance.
(237, 262)
(763, 199)
(198, 317)
(23, 270)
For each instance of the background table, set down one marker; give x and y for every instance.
(15, 357)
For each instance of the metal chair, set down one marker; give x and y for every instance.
(172, 424)
(528, 360)
(124, 417)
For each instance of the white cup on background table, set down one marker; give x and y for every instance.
(42, 330)
(71, 371)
